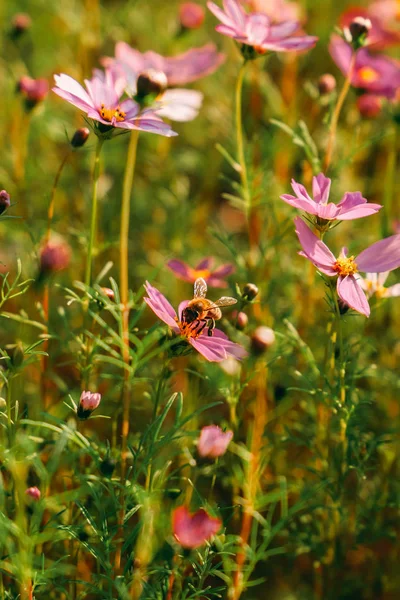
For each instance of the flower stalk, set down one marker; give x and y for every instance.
(93, 219)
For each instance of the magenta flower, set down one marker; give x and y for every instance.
(102, 102)
(193, 530)
(204, 269)
(213, 442)
(373, 285)
(191, 15)
(381, 256)
(378, 74)
(369, 105)
(352, 205)
(214, 348)
(255, 29)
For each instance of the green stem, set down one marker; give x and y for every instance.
(124, 287)
(388, 193)
(93, 220)
(239, 140)
(342, 364)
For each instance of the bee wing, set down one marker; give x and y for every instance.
(200, 288)
(225, 301)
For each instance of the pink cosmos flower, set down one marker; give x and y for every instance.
(102, 102)
(214, 348)
(352, 205)
(378, 75)
(193, 530)
(176, 104)
(213, 442)
(373, 284)
(276, 10)
(204, 269)
(34, 90)
(381, 256)
(255, 29)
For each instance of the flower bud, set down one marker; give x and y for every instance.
(191, 15)
(107, 466)
(34, 493)
(250, 291)
(88, 402)
(80, 137)
(357, 32)
(19, 24)
(4, 201)
(3, 404)
(241, 320)
(151, 82)
(108, 292)
(213, 442)
(369, 105)
(33, 90)
(54, 256)
(262, 339)
(326, 84)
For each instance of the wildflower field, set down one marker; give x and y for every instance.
(199, 312)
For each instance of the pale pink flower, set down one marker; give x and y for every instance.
(352, 205)
(214, 348)
(34, 493)
(88, 402)
(204, 269)
(102, 102)
(192, 530)
(373, 285)
(256, 30)
(378, 258)
(277, 10)
(377, 74)
(176, 104)
(213, 442)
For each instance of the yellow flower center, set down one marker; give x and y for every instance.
(196, 274)
(345, 266)
(109, 114)
(368, 75)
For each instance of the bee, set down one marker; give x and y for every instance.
(202, 312)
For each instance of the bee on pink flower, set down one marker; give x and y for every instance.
(150, 74)
(214, 346)
(380, 257)
(255, 29)
(192, 530)
(102, 102)
(204, 269)
(351, 206)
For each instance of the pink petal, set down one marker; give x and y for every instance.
(192, 65)
(293, 44)
(351, 200)
(160, 306)
(223, 271)
(307, 205)
(352, 294)
(381, 256)
(225, 18)
(341, 53)
(315, 249)
(393, 291)
(205, 264)
(283, 30)
(180, 269)
(357, 212)
(235, 11)
(321, 188)
(72, 91)
(180, 105)
(193, 530)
